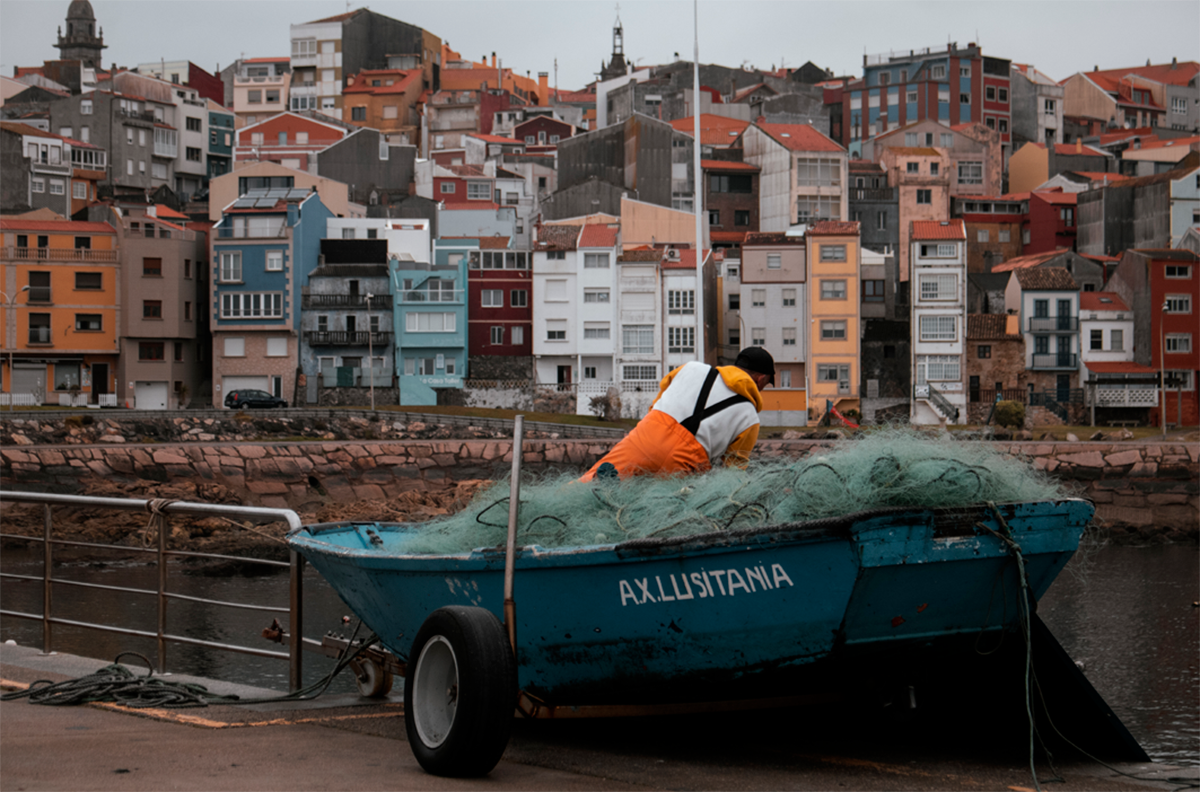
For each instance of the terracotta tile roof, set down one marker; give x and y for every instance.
(641, 255)
(1179, 74)
(457, 206)
(1123, 134)
(918, 151)
(1181, 142)
(1056, 197)
(1073, 150)
(1101, 301)
(865, 166)
(557, 237)
(1032, 260)
(284, 59)
(715, 130)
(165, 211)
(495, 139)
(799, 137)
(726, 237)
(1045, 279)
(775, 238)
(1100, 257)
(580, 97)
(1118, 367)
(722, 165)
(934, 229)
(60, 226)
(1098, 176)
(598, 236)
(993, 327)
(402, 80)
(835, 228)
(687, 260)
(744, 92)
(486, 243)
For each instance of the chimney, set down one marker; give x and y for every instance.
(1174, 63)
(1078, 145)
(493, 60)
(544, 88)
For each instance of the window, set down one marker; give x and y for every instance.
(251, 305)
(758, 336)
(556, 291)
(970, 173)
(595, 260)
(38, 184)
(85, 107)
(990, 93)
(925, 196)
(79, 190)
(1003, 98)
(910, 138)
(1181, 380)
(910, 97)
(518, 298)
(818, 172)
(493, 298)
(556, 329)
(789, 298)
(58, 187)
(964, 71)
(420, 322)
(933, 168)
(151, 268)
(639, 373)
(152, 309)
(741, 217)
(937, 71)
(1048, 107)
(789, 336)
(1116, 340)
(735, 302)
(478, 191)
(964, 98)
(758, 297)
(818, 207)
(1179, 343)
(358, 114)
(1097, 339)
(1177, 271)
(497, 335)
(833, 252)
(274, 261)
(1005, 235)
(254, 97)
(834, 373)
(518, 335)
(833, 289)
(88, 281)
(735, 337)
(912, 167)
(872, 291)
(194, 154)
(991, 122)
(714, 217)
(193, 125)
(447, 188)
(1179, 303)
(774, 261)
(150, 350)
(939, 287)
(939, 251)
(596, 330)
(681, 339)
(983, 235)
(235, 346)
(938, 328)
(681, 302)
(730, 183)
(1025, 236)
(595, 295)
(937, 367)
(88, 322)
(231, 266)
(983, 351)
(1067, 216)
(833, 331)
(187, 311)
(637, 339)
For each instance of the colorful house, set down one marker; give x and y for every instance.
(939, 321)
(832, 361)
(430, 317)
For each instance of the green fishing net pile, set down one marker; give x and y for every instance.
(882, 469)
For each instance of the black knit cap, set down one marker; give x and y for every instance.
(758, 360)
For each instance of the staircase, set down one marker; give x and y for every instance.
(932, 395)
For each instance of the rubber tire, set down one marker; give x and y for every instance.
(481, 661)
(375, 681)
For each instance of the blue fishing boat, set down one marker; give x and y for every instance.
(714, 620)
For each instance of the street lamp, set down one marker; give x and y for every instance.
(371, 350)
(1162, 363)
(12, 306)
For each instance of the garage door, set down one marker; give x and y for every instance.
(240, 383)
(150, 395)
(29, 379)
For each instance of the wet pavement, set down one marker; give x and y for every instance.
(345, 742)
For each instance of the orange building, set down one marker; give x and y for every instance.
(60, 310)
(833, 300)
(385, 99)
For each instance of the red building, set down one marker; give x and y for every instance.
(731, 200)
(1163, 289)
(287, 138)
(1051, 222)
(499, 311)
(542, 133)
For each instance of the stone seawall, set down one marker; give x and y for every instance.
(1141, 488)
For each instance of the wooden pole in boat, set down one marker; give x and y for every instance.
(514, 494)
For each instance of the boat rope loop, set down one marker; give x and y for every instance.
(158, 519)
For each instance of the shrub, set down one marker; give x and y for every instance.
(1010, 414)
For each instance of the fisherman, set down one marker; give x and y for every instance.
(702, 414)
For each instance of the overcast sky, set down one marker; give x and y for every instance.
(1060, 37)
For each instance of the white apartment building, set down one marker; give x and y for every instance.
(939, 321)
(316, 82)
(803, 175)
(774, 304)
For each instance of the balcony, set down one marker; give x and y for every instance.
(60, 254)
(39, 336)
(380, 301)
(872, 194)
(241, 81)
(426, 296)
(1053, 324)
(254, 232)
(1054, 360)
(346, 338)
(136, 115)
(52, 168)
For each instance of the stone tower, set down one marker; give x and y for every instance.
(617, 65)
(83, 42)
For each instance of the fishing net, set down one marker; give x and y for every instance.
(887, 468)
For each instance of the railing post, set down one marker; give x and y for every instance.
(162, 593)
(296, 623)
(47, 563)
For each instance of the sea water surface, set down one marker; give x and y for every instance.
(1126, 613)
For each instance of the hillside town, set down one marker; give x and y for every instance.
(379, 219)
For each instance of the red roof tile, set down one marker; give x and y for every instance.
(1181, 142)
(1101, 301)
(165, 211)
(725, 237)
(598, 236)
(772, 238)
(462, 205)
(495, 138)
(1056, 198)
(1099, 257)
(1032, 260)
(1098, 176)
(1118, 367)
(401, 81)
(836, 228)
(687, 260)
(799, 137)
(557, 237)
(982, 327)
(934, 229)
(61, 226)
(715, 130)
(722, 165)
(1045, 279)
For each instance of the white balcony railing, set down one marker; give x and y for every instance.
(1126, 396)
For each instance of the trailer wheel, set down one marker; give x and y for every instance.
(371, 678)
(460, 693)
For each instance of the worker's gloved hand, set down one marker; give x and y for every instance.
(607, 472)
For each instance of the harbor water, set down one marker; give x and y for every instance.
(1126, 613)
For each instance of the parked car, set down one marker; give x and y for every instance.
(247, 397)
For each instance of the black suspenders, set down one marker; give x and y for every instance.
(701, 412)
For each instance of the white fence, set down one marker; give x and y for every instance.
(1126, 396)
(18, 400)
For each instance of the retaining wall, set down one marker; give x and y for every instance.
(1143, 488)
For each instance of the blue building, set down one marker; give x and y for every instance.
(431, 320)
(220, 140)
(262, 252)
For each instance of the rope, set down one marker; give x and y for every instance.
(158, 519)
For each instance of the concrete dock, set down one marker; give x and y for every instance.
(345, 742)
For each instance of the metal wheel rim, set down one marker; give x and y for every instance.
(435, 691)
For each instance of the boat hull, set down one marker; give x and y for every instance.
(769, 611)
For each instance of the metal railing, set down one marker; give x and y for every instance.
(358, 338)
(1054, 360)
(934, 396)
(60, 254)
(161, 510)
(1050, 324)
(380, 301)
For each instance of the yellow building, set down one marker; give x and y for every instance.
(60, 310)
(833, 301)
